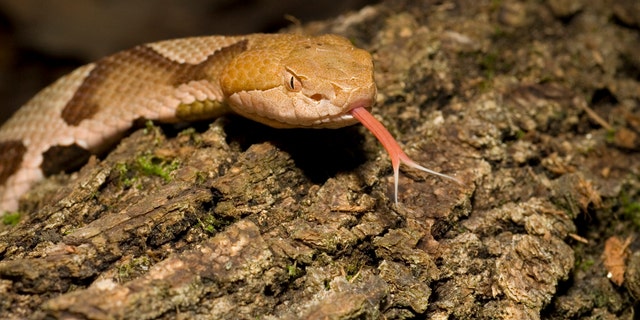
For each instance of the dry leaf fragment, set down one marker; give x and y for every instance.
(615, 254)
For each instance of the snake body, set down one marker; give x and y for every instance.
(280, 80)
(277, 79)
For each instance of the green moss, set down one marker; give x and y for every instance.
(149, 127)
(610, 137)
(352, 271)
(148, 165)
(188, 132)
(192, 134)
(630, 210)
(293, 271)
(154, 166)
(585, 265)
(136, 266)
(212, 225)
(488, 64)
(11, 218)
(327, 284)
(201, 177)
(126, 179)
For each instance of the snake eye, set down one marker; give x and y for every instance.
(293, 83)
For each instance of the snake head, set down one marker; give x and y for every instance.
(297, 81)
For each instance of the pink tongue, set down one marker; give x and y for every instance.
(391, 145)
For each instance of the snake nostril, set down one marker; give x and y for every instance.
(316, 97)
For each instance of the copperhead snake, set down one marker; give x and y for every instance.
(281, 80)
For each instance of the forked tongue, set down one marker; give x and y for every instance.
(391, 145)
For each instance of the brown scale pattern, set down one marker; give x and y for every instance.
(11, 154)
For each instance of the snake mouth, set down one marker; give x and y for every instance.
(296, 115)
(362, 103)
(343, 119)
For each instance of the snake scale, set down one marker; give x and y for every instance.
(281, 80)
